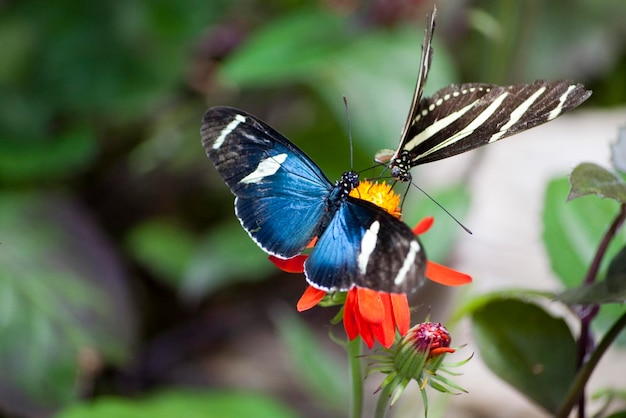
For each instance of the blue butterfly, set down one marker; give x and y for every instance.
(283, 200)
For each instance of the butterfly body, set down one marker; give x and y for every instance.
(283, 200)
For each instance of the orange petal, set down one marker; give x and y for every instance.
(401, 312)
(371, 307)
(353, 322)
(349, 315)
(423, 225)
(310, 298)
(445, 275)
(291, 265)
(385, 332)
(312, 243)
(365, 331)
(441, 350)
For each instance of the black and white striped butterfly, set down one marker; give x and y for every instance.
(283, 200)
(462, 117)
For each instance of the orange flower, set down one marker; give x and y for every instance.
(372, 314)
(376, 315)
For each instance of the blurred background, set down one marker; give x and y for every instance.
(125, 278)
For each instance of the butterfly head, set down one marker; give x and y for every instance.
(400, 167)
(348, 181)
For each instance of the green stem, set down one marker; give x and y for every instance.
(356, 373)
(604, 245)
(588, 313)
(583, 374)
(384, 396)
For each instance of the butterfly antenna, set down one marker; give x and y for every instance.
(345, 103)
(442, 208)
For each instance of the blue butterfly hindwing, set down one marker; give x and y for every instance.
(369, 247)
(283, 200)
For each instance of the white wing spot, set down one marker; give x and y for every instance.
(559, 108)
(409, 260)
(368, 243)
(456, 94)
(436, 127)
(517, 114)
(267, 167)
(439, 102)
(431, 107)
(446, 97)
(227, 130)
(451, 118)
(424, 112)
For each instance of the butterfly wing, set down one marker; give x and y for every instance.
(425, 62)
(386, 155)
(280, 192)
(365, 246)
(462, 117)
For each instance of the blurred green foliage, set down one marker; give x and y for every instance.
(114, 228)
(537, 360)
(190, 404)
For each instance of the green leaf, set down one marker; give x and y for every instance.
(609, 313)
(589, 178)
(225, 256)
(607, 395)
(315, 366)
(50, 60)
(606, 398)
(528, 348)
(27, 158)
(573, 230)
(290, 48)
(374, 69)
(596, 293)
(179, 403)
(616, 273)
(610, 290)
(63, 296)
(163, 248)
(476, 303)
(377, 73)
(17, 40)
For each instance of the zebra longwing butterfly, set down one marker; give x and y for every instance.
(462, 117)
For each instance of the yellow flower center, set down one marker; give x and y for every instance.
(380, 194)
